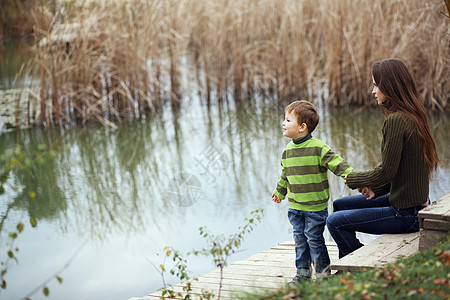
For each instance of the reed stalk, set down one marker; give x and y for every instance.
(131, 57)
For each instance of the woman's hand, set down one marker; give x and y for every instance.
(367, 191)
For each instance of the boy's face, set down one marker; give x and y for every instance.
(291, 127)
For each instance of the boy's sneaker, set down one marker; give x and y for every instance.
(323, 275)
(298, 279)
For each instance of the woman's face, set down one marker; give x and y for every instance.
(378, 94)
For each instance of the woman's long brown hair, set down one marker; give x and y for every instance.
(396, 82)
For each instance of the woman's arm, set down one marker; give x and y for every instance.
(391, 151)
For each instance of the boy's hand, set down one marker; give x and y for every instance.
(275, 198)
(367, 191)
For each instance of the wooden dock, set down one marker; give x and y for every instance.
(385, 249)
(273, 268)
(268, 270)
(14, 108)
(434, 222)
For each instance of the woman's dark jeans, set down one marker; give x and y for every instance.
(375, 216)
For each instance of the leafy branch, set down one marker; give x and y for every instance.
(220, 248)
(12, 160)
(179, 269)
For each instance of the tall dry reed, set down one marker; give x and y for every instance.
(131, 57)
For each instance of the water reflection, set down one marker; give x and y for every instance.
(13, 53)
(154, 181)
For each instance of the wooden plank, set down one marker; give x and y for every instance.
(273, 271)
(232, 285)
(272, 255)
(252, 280)
(246, 281)
(434, 222)
(406, 250)
(429, 237)
(153, 297)
(270, 263)
(253, 275)
(227, 286)
(287, 243)
(283, 248)
(385, 249)
(439, 210)
(438, 225)
(227, 292)
(261, 263)
(195, 293)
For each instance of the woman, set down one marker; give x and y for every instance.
(397, 188)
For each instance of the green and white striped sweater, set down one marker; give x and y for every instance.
(304, 176)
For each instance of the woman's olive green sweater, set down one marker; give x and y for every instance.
(402, 171)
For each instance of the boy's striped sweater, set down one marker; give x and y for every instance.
(304, 176)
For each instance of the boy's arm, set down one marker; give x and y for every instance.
(281, 189)
(276, 199)
(335, 163)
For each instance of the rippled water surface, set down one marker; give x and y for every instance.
(110, 201)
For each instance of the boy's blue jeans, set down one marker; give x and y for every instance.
(375, 216)
(309, 241)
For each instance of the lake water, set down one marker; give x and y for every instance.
(13, 54)
(111, 200)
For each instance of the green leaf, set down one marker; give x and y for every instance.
(46, 291)
(2, 189)
(32, 194)
(40, 161)
(52, 154)
(60, 279)
(20, 227)
(13, 235)
(17, 150)
(33, 222)
(42, 147)
(10, 254)
(3, 178)
(28, 163)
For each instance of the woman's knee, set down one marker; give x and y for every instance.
(349, 202)
(340, 203)
(336, 204)
(332, 221)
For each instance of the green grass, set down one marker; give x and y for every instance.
(425, 275)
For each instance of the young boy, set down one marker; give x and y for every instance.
(304, 179)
